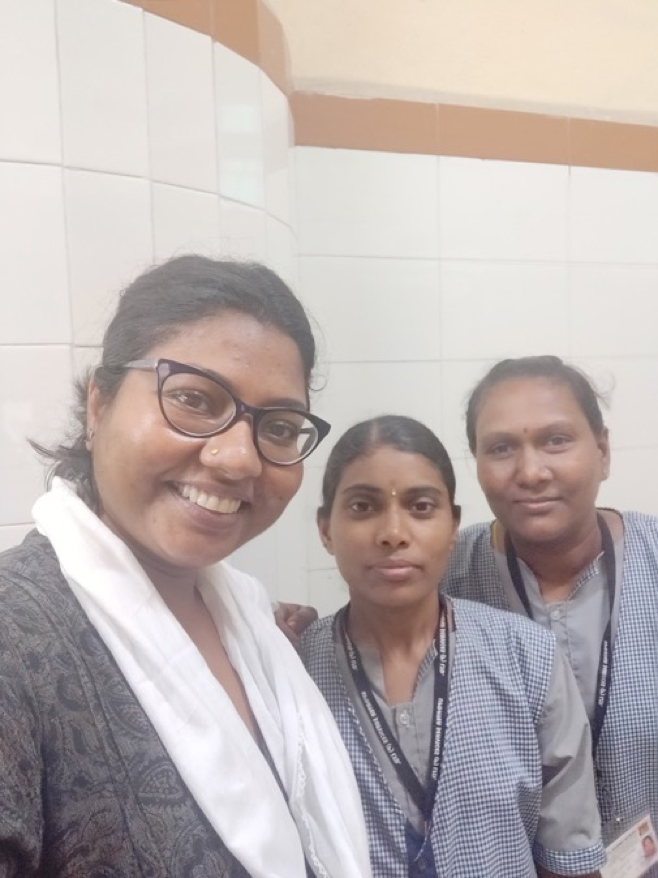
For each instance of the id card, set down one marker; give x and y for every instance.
(633, 853)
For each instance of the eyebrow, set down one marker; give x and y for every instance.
(544, 428)
(415, 489)
(279, 401)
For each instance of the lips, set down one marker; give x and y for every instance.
(537, 504)
(395, 570)
(206, 498)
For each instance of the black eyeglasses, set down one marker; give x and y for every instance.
(197, 404)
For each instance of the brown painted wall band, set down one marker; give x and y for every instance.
(250, 28)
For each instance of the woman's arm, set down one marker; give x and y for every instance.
(568, 840)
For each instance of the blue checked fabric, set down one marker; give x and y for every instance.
(627, 757)
(489, 795)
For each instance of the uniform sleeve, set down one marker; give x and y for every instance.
(20, 768)
(568, 840)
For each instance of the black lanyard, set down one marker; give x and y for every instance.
(423, 797)
(604, 675)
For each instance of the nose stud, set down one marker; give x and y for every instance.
(214, 451)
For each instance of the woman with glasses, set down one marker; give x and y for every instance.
(467, 734)
(154, 721)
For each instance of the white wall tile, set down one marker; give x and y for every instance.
(317, 556)
(277, 142)
(458, 379)
(184, 221)
(181, 105)
(34, 404)
(29, 98)
(374, 309)
(358, 203)
(84, 359)
(614, 215)
(109, 243)
(469, 494)
(503, 309)
(632, 482)
(327, 591)
(356, 391)
(502, 210)
(614, 310)
(630, 384)
(13, 534)
(242, 231)
(34, 306)
(281, 251)
(239, 127)
(103, 86)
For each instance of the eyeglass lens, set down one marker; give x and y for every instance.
(197, 405)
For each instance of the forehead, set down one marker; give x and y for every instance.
(528, 403)
(256, 358)
(386, 468)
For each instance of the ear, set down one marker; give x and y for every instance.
(603, 445)
(456, 518)
(324, 530)
(96, 405)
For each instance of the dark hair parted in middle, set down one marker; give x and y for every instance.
(159, 305)
(386, 431)
(549, 367)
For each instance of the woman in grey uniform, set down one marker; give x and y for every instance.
(462, 722)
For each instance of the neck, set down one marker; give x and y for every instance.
(406, 630)
(560, 562)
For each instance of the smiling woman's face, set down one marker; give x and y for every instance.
(391, 528)
(143, 468)
(539, 463)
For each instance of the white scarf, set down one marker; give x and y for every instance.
(205, 737)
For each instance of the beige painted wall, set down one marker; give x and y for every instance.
(591, 58)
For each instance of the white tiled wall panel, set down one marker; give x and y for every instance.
(281, 251)
(277, 142)
(33, 404)
(29, 95)
(367, 203)
(34, 305)
(110, 242)
(374, 309)
(239, 117)
(503, 309)
(614, 216)
(242, 231)
(614, 310)
(502, 210)
(184, 221)
(181, 105)
(103, 86)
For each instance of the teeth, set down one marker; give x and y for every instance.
(209, 501)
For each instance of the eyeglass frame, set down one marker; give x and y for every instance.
(255, 412)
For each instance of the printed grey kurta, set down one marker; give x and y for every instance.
(87, 789)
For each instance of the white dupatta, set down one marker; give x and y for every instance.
(207, 741)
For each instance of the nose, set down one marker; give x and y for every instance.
(531, 468)
(392, 531)
(233, 452)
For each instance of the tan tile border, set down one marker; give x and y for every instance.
(353, 123)
(251, 29)
(503, 134)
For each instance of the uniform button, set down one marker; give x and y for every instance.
(421, 864)
(404, 718)
(556, 614)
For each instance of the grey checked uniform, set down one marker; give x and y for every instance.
(627, 755)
